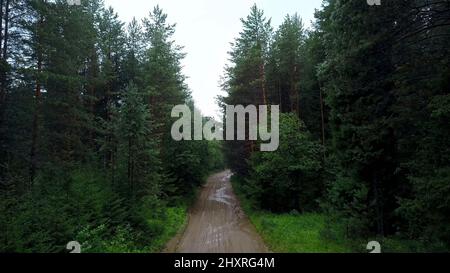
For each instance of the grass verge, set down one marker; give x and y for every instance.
(310, 233)
(290, 233)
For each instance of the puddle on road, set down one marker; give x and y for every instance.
(221, 197)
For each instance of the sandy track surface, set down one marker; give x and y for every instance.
(217, 223)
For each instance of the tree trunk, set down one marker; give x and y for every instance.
(322, 115)
(37, 94)
(262, 71)
(3, 58)
(6, 35)
(280, 96)
(294, 96)
(1, 23)
(35, 132)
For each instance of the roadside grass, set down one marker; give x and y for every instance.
(126, 240)
(311, 233)
(176, 219)
(286, 233)
(290, 232)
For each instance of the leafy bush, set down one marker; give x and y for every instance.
(289, 178)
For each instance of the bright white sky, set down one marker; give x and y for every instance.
(205, 28)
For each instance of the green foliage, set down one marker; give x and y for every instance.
(215, 157)
(86, 151)
(372, 84)
(389, 140)
(288, 178)
(427, 214)
(125, 239)
(244, 80)
(88, 154)
(137, 161)
(290, 232)
(426, 211)
(45, 220)
(91, 213)
(286, 63)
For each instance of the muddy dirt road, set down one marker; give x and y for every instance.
(217, 223)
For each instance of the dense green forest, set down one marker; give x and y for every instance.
(364, 133)
(85, 146)
(86, 152)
